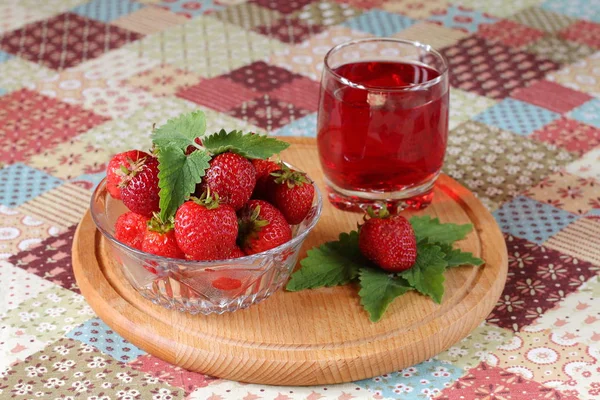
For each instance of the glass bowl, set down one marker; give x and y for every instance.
(203, 287)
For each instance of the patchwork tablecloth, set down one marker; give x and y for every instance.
(81, 80)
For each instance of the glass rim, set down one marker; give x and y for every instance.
(417, 86)
(98, 192)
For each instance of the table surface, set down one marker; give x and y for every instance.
(81, 81)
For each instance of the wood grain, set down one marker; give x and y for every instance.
(310, 337)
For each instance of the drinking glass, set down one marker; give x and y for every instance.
(383, 123)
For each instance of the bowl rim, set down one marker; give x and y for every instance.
(100, 188)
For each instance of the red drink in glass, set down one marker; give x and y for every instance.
(383, 126)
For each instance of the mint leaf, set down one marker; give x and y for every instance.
(378, 289)
(331, 264)
(180, 131)
(456, 257)
(249, 146)
(177, 177)
(433, 231)
(427, 275)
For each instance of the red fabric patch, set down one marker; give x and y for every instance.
(30, 123)
(509, 33)
(301, 92)
(493, 69)
(487, 382)
(585, 32)
(171, 374)
(261, 76)
(551, 96)
(221, 93)
(268, 112)
(570, 135)
(65, 40)
(284, 7)
(51, 260)
(538, 278)
(289, 30)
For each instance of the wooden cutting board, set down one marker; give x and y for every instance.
(310, 337)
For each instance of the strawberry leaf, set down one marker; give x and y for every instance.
(331, 264)
(378, 289)
(178, 176)
(427, 275)
(180, 131)
(456, 257)
(432, 230)
(249, 146)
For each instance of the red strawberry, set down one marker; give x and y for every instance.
(237, 253)
(139, 189)
(159, 239)
(263, 176)
(262, 227)
(205, 229)
(292, 193)
(130, 228)
(388, 241)
(120, 166)
(232, 177)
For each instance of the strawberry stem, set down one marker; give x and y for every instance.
(290, 177)
(381, 213)
(197, 146)
(250, 226)
(207, 199)
(156, 224)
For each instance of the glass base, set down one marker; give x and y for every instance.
(415, 198)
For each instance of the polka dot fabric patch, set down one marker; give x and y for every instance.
(583, 9)
(21, 183)
(107, 10)
(516, 116)
(96, 333)
(305, 126)
(379, 23)
(532, 220)
(588, 113)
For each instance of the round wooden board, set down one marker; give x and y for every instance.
(310, 337)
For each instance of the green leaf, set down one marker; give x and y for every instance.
(178, 176)
(456, 257)
(378, 289)
(433, 231)
(180, 131)
(427, 275)
(331, 264)
(249, 146)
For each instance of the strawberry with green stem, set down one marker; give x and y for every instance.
(205, 229)
(292, 193)
(230, 176)
(119, 167)
(388, 240)
(159, 239)
(139, 188)
(262, 227)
